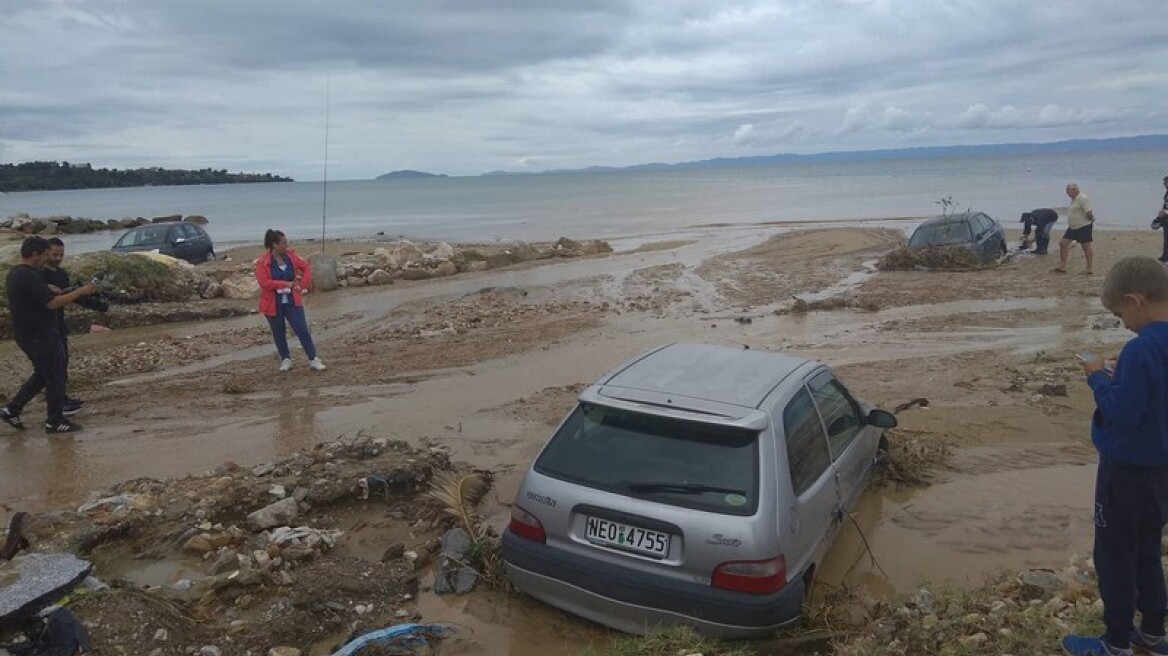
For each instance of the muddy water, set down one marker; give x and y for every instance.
(1004, 508)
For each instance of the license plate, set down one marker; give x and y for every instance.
(631, 538)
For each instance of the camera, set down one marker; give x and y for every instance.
(98, 301)
(1158, 223)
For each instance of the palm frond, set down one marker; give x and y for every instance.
(458, 494)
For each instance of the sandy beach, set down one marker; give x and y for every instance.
(483, 365)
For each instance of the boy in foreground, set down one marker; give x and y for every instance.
(1130, 431)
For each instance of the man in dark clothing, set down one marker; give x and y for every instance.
(58, 281)
(1040, 221)
(1160, 221)
(33, 307)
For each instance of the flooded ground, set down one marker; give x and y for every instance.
(485, 365)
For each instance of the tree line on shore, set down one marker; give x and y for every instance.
(48, 176)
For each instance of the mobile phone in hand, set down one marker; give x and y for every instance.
(1085, 356)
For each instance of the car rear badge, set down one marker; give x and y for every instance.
(539, 498)
(723, 541)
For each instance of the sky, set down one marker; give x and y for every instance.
(463, 87)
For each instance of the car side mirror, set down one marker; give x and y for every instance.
(881, 419)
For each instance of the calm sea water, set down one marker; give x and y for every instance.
(1125, 187)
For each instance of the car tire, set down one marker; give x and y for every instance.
(210, 255)
(1004, 249)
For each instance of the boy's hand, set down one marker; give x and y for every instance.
(1093, 364)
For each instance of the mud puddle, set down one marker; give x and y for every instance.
(1011, 508)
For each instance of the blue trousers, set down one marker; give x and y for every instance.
(295, 317)
(1131, 509)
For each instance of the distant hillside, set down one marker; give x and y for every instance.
(48, 176)
(1146, 142)
(408, 173)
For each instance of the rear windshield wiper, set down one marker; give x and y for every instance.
(681, 488)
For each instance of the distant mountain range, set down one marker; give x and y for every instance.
(1144, 142)
(409, 173)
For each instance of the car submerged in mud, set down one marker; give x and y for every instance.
(976, 231)
(697, 485)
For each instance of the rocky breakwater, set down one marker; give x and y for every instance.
(410, 260)
(71, 225)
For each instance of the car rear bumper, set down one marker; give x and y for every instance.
(636, 602)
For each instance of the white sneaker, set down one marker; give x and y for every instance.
(285, 364)
(316, 364)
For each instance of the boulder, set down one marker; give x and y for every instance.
(355, 281)
(445, 268)
(31, 581)
(197, 219)
(404, 252)
(279, 513)
(385, 258)
(75, 227)
(379, 277)
(442, 251)
(211, 290)
(241, 287)
(415, 274)
(324, 272)
(170, 218)
(20, 222)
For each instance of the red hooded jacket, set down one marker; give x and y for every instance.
(268, 287)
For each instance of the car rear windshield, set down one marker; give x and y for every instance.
(153, 236)
(681, 463)
(942, 234)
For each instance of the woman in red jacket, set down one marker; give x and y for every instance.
(283, 276)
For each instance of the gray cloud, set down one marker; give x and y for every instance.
(464, 87)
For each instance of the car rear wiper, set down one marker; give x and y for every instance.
(682, 488)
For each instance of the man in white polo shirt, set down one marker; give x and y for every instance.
(1080, 224)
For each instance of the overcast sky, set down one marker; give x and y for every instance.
(465, 87)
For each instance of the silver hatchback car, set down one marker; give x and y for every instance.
(695, 485)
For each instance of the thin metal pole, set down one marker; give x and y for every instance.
(324, 191)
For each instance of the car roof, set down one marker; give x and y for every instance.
(950, 218)
(723, 374)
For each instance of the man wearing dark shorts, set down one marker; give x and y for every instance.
(33, 307)
(1080, 225)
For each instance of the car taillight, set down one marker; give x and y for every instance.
(753, 576)
(526, 525)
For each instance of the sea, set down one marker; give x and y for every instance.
(1125, 187)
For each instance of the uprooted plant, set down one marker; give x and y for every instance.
(458, 494)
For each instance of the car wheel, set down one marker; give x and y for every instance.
(1003, 248)
(210, 254)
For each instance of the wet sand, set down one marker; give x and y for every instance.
(486, 363)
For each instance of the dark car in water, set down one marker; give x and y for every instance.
(974, 230)
(182, 240)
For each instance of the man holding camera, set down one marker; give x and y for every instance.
(1160, 222)
(58, 280)
(33, 306)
